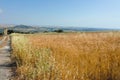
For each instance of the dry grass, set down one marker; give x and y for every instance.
(70, 56)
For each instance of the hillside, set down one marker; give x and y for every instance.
(36, 29)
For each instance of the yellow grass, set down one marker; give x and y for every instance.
(69, 56)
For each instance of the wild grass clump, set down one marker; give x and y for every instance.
(32, 64)
(69, 56)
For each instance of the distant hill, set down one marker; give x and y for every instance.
(23, 29)
(36, 29)
(23, 26)
(6, 25)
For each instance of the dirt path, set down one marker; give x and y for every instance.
(5, 68)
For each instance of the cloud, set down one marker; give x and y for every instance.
(1, 11)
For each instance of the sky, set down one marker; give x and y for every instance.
(78, 13)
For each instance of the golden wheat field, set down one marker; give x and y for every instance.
(67, 56)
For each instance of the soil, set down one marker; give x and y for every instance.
(5, 61)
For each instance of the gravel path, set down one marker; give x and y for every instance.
(5, 62)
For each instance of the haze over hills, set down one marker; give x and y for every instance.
(36, 29)
(6, 25)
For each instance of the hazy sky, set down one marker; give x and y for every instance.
(81, 13)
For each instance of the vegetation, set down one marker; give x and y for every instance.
(26, 29)
(70, 56)
(58, 31)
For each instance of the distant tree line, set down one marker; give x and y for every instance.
(10, 31)
(21, 32)
(58, 31)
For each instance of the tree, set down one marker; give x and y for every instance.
(58, 31)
